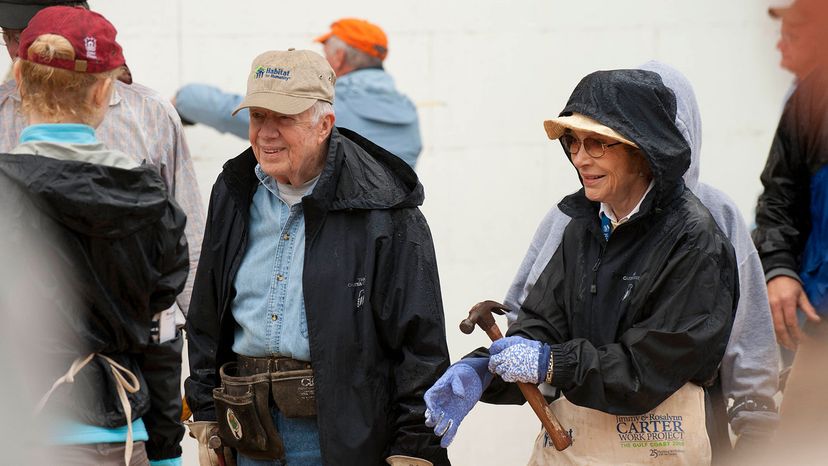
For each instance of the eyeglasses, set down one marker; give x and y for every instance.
(594, 148)
(11, 37)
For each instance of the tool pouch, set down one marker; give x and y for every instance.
(243, 414)
(294, 392)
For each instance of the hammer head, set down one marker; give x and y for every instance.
(481, 314)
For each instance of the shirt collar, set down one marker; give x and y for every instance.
(273, 186)
(607, 211)
(69, 133)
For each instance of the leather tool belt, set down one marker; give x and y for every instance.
(248, 387)
(291, 383)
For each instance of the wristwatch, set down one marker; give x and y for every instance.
(751, 403)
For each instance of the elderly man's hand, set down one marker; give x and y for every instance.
(785, 295)
(453, 396)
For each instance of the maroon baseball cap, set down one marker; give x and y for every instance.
(91, 35)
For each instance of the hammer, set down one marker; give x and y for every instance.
(481, 314)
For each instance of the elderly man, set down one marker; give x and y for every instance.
(797, 39)
(791, 237)
(367, 100)
(317, 307)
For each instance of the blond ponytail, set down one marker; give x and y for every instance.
(55, 94)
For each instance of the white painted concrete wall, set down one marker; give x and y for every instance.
(484, 75)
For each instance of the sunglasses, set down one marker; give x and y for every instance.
(594, 148)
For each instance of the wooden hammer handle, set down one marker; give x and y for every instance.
(560, 437)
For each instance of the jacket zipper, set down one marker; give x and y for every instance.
(593, 288)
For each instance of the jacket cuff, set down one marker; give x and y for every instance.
(481, 366)
(781, 271)
(166, 462)
(563, 371)
(544, 356)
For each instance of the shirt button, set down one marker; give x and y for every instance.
(280, 277)
(273, 317)
(286, 236)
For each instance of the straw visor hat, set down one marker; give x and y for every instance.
(556, 127)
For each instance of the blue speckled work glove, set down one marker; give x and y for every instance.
(454, 394)
(517, 359)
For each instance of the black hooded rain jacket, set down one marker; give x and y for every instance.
(372, 299)
(634, 318)
(120, 236)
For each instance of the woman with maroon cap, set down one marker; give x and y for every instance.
(121, 235)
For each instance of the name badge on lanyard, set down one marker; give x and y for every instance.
(606, 226)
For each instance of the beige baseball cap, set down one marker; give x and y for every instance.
(288, 81)
(556, 127)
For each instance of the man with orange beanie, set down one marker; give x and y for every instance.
(367, 100)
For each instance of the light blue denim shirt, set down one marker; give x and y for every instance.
(269, 306)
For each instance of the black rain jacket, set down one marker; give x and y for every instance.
(791, 232)
(372, 299)
(121, 237)
(633, 319)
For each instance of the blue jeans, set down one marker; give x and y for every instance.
(301, 439)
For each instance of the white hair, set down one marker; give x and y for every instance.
(355, 58)
(320, 109)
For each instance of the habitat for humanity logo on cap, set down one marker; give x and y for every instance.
(288, 81)
(268, 72)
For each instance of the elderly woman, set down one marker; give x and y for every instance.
(636, 303)
(749, 370)
(121, 234)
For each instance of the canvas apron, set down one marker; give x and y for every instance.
(673, 433)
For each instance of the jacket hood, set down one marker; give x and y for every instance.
(638, 105)
(371, 94)
(688, 116)
(91, 199)
(359, 174)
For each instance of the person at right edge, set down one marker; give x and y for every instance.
(632, 314)
(792, 239)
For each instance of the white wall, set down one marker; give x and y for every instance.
(484, 75)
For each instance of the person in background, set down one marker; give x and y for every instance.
(797, 41)
(318, 270)
(791, 237)
(367, 100)
(140, 123)
(799, 55)
(143, 125)
(123, 242)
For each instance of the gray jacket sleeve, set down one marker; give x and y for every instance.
(546, 240)
(209, 105)
(751, 363)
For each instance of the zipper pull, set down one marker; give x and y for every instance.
(593, 289)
